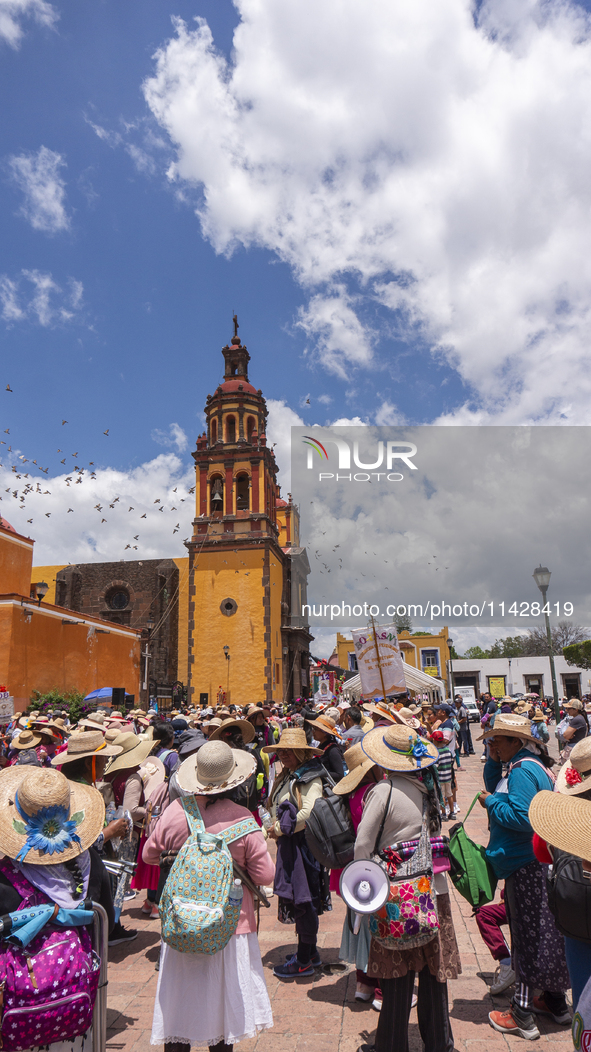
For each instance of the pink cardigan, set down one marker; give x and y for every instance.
(250, 852)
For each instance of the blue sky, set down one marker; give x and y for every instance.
(143, 347)
(404, 238)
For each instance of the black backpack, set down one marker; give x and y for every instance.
(569, 896)
(329, 829)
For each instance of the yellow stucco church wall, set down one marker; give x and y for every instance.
(183, 646)
(233, 575)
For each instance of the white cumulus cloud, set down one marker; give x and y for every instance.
(38, 176)
(115, 515)
(175, 438)
(12, 13)
(424, 158)
(35, 296)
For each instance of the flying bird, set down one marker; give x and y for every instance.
(47, 514)
(106, 433)
(126, 547)
(29, 520)
(131, 509)
(7, 431)
(103, 520)
(157, 501)
(9, 388)
(142, 516)
(136, 537)
(307, 402)
(69, 510)
(63, 461)
(64, 422)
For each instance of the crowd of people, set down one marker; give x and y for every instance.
(213, 807)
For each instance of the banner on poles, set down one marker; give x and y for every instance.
(379, 660)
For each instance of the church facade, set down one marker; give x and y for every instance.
(225, 620)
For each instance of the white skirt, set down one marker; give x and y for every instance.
(205, 999)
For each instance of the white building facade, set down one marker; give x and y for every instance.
(500, 676)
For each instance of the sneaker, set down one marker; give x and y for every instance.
(129, 896)
(364, 993)
(377, 1002)
(506, 1023)
(121, 934)
(457, 809)
(504, 978)
(314, 959)
(267, 892)
(155, 914)
(483, 759)
(147, 906)
(292, 969)
(562, 1016)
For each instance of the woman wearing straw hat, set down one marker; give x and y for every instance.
(128, 790)
(301, 883)
(361, 774)
(213, 1000)
(327, 736)
(47, 827)
(393, 812)
(537, 945)
(572, 892)
(565, 822)
(578, 726)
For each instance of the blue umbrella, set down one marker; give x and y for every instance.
(102, 692)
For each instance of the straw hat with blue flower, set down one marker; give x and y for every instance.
(399, 748)
(44, 818)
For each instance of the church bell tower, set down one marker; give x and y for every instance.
(238, 583)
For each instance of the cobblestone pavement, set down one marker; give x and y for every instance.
(320, 1015)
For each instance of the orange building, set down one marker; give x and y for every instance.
(43, 646)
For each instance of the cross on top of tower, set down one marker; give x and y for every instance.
(235, 320)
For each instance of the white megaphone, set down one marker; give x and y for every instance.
(364, 887)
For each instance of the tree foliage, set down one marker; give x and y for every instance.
(579, 654)
(70, 701)
(534, 643)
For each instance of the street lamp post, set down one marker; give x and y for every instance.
(541, 576)
(149, 626)
(451, 669)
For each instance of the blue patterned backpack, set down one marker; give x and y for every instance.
(197, 913)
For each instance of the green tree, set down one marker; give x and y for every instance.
(511, 646)
(579, 654)
(476, 653)
(403, 623)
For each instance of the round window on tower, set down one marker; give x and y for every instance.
(118, 599)
(228, 607)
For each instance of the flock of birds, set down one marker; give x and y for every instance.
(78, 476)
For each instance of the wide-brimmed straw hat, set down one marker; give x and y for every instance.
(134, 752)
(399, 748)
(359, 765)
(245, 726)
(563, 822)
(293, 738)
(215, 769)
(25, 740)
(89, 723)
(538, 717)
(44, 818)
(574, 703)
(85, 743)
(49, 726)
(510, 725)
(574, 776)
(381, 710)
(326, 724)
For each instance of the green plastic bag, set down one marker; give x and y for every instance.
(471, 873)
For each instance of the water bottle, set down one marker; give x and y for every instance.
(265, 817)
(236, 893)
